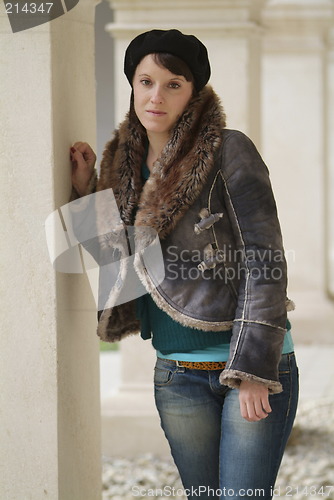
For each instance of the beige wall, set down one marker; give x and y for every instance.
(49, 382)
(295, 130)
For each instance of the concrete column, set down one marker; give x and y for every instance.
(294, 132)
(49, 377)
(130, 422)
(329, 145)
(231, 32)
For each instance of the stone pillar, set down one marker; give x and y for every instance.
(231, 32)
(294, 134)
(329, 145)
(49, 376)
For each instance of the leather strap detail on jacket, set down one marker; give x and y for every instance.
(207, 221)
(212, 257)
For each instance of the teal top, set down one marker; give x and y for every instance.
(183, 343)
(170, 336)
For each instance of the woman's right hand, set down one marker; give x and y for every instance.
(254, 401)
(83, 161)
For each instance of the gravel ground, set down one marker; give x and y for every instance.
(307, 469)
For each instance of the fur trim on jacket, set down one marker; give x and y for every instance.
(179, 174)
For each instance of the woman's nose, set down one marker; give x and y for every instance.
(156, 96)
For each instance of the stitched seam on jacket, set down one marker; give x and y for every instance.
(247, 276)
(231, 285)
(261, 323)
(209, 205)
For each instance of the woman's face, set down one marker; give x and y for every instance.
(160, 97)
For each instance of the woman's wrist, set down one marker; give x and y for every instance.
(82, 189)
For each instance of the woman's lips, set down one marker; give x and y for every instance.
(156, 112)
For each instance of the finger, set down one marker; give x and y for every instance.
(243, 410)
(78, 150)
(259, 411)
(78, 160)
(252, 409)
(74, 162)
(255, 412)
(253, 399)
(244, 404)
(85, 154)
(79, 145)
(72, 153)
(247, 411)
(251, 414)
(266, 405)
(85, 149)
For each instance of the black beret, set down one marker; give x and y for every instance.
(186, 47)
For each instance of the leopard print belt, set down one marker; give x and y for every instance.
(200, 365)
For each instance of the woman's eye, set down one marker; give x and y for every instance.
(145, 82)
(174, 85)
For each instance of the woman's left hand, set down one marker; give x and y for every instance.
(254, 401)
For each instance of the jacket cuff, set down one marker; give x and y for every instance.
(233, 379)
(118, 322)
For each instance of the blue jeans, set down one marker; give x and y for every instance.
(217, 452)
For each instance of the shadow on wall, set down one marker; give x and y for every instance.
(104, 61)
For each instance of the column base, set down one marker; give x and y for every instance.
(131, 425)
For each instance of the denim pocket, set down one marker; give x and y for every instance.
(162, 376)
(285, 403)
(287, 364)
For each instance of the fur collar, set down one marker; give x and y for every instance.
(178, 175)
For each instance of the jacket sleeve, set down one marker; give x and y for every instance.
(96, 224)
(82, 212)
(260, 320)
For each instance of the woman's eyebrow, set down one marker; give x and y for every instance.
(176, 77)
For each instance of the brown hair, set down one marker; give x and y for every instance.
(174, 64)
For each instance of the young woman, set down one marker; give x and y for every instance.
(226, 381)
